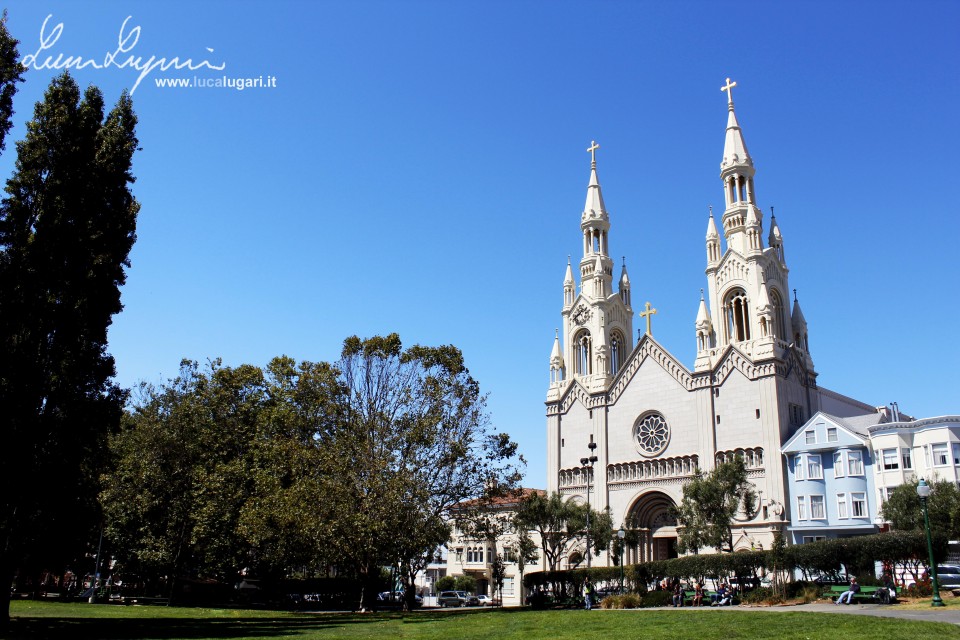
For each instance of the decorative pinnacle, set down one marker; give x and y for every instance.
(593, 153)
(729, 89)
(711, 210)
(701, 293)
(794, 295)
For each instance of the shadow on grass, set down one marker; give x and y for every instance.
(31, 628)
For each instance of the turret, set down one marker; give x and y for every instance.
(799, 325)
(569, 286)
(775, 239)
(624, 287)
(713, 242)
(557, 372)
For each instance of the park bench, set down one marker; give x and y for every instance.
(866, 595)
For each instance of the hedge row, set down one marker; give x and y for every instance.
(827, 559)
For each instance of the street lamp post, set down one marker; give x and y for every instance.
(588, 467)
(621, 535)
(923, 490)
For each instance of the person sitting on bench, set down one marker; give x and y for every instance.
(849, 593)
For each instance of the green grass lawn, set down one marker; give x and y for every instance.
(84, 621)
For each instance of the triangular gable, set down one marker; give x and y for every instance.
(732, 359)
(649, 348)
(731, 268)
(574, 392)
(819, 423)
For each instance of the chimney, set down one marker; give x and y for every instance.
(884, 414)
(896, 411)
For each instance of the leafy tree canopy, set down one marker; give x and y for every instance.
(710, 503)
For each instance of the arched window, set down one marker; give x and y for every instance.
(738, 318)
(779, 324)
(618, 352)
(581, 353)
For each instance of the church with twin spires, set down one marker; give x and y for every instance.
(628, 424)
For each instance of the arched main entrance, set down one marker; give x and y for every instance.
(655, 528)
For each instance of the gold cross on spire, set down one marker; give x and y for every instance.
(729, 89)
(593, 151)
(646, 314)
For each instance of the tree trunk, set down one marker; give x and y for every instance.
(6, 579)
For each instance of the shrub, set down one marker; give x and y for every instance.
(811, 593)
(625, 601)
(657, 599)
(762, 595)
(630, 600)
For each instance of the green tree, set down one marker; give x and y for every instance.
(710, 502)
(194, 486)
(498, 572)
(67, 225)
(527, 553)
(562, 525)
(904, 512)
(415, 444)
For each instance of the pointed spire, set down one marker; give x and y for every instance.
(796, 317)
(763, 300)
(624, 279)
(703, 315)
(556, 357)
(594, 207)
(734, 148)
(775, 238)
(568, 278)
(712, 227)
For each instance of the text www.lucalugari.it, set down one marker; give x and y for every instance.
(223, 82)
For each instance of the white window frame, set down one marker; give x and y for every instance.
(814, 467)
(940, 453)
(955, 446)
(802, 508)
(818, 507)
(839, 468)
(799, 472)
(890, 459)
(842, 506)
(832, 434)
(906, 457)
(809, 539)
(810, 436)
(854, 463)
(861, 500)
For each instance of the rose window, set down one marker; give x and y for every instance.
(651, 434)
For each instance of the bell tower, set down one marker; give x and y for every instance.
(597, 321)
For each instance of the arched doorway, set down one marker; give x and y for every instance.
(655, 526)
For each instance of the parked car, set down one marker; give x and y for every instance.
(948, 575)
(486, 601)
(451, 599)
(457, 599)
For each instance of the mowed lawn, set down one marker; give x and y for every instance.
(84, 621)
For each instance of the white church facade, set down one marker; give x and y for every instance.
(654, 421)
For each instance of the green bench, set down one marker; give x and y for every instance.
(866, 595)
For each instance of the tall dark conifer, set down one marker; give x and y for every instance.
(67, 225)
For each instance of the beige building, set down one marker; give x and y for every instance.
(470, 556)
(653, 419)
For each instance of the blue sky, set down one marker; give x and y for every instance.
(420, 167)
